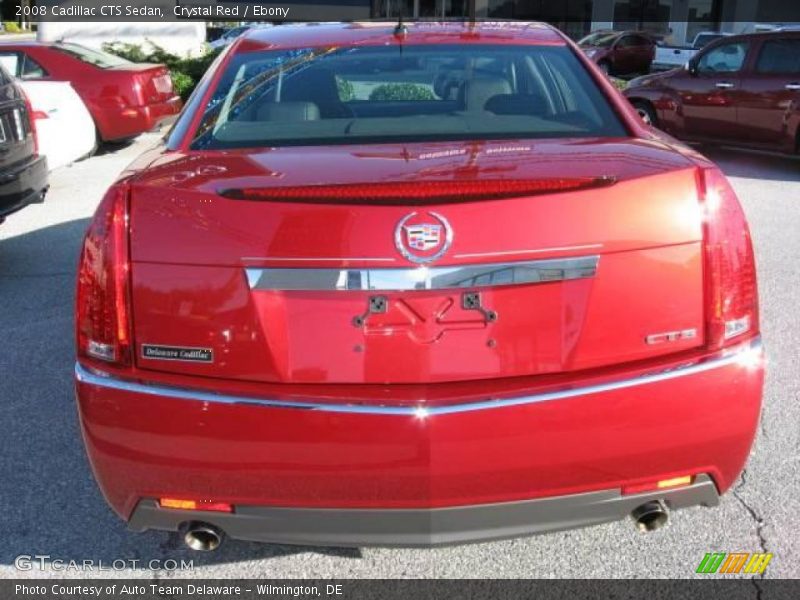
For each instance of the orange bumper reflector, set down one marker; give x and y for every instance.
(674, 482)
(181, 504)
(658, 485)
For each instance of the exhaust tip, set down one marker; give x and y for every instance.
(203, 537)
(650, 516)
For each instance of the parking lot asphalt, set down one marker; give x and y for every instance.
(50, 505)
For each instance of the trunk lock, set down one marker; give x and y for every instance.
(472, 301)
(376, 305)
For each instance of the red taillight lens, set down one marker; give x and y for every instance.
(731, 292)
(103, 276)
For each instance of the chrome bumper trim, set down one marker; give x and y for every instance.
(422, 278)
(747, 354)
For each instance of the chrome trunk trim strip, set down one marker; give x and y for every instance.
(530, 251)
(422, 278)
(746, 355)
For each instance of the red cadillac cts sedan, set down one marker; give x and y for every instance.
(414, 286)
(124, 98)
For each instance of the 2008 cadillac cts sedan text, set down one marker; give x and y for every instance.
(414, 285)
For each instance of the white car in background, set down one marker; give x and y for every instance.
(64, 128)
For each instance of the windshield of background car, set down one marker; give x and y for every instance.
(599, 40)
(319, 96)
(727, 58)
(104, 60)
(704, 39)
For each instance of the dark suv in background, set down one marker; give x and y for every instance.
(620, 52)
(23, 173)
(741, 90)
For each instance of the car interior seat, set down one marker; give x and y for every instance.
(518, 104)
(318, 86)
(476, 92)
(288, 111)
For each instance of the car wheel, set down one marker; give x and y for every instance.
(646, 112)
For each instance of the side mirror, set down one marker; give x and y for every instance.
(691, 68)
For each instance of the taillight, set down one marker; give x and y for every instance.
(731, 292)
(103, 313)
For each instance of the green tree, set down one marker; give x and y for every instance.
(401, 92)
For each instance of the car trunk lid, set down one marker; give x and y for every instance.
(352, 289)
(154, 80)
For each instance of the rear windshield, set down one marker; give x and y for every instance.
(313, 96)
(104, 60)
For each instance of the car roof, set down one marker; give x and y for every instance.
(760, 35)
(304, 35)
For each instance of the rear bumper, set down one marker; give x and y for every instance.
(119, 123)
(422, 527)
(163, 113)
(22, 185)
(443, 474)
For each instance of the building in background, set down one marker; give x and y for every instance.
(680, 20)
(676, 20)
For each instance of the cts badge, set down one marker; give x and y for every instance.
(423, 237)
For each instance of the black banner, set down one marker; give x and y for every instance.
(214, 589)
(190, 10)
(639, 12)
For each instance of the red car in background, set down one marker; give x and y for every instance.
(620, 52)
(338, 306)
(740, 90)
(124, 98)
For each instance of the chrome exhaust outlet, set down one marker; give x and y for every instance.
(650, 516)
(203, 537)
